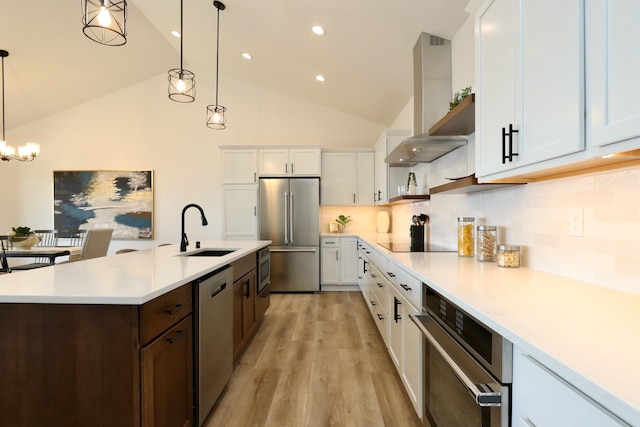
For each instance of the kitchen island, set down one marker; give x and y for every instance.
(106, 341)
(585, 336)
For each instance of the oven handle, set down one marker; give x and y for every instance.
(482, 397)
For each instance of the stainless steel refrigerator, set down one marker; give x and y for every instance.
(290, 218)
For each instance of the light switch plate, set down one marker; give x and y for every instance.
(576, 223)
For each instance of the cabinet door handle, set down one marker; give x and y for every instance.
(379, 195)
(255, 177)
(247, 290)
(396, 303)
(336, 255)
(286, 168)
(365, 266)
(380, 285)
(373, 275)
(509, 156)
(373, 303)
(174, 309)
(380, 316)
(255, 211)
(354, 197)
(405, 287)
(391, 274)
(175, 338)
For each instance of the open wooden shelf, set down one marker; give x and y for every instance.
(459, 121)
(466, 185)
(400, 200)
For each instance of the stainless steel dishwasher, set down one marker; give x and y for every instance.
(213, 338)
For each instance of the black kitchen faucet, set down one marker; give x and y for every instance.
(184, 241)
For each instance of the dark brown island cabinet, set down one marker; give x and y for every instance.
(244, 302)
(98, 365)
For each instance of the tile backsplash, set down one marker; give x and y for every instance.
(536, 216)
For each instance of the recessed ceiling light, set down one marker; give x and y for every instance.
(318, 30)
(246, 55)
(175, 33)
(320, 78)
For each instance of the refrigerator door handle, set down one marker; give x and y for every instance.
(286, 218)
(291, 220)
(293, 250)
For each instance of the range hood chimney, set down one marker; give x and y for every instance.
(431, 96)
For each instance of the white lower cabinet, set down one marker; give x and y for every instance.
(339, 261)
(541, 398)
(240, 221)
(405, 346)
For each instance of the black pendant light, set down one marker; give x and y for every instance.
(217, 114)
(105, 21)
(27, 152)
(182, 83)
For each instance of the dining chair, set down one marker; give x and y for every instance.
(124, 251)
(96, 243)
(48, 238)
(4, 264)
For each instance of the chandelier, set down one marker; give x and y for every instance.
(27, 152)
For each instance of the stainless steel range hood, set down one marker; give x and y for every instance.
(432, 93)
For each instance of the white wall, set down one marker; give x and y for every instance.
(139, 128)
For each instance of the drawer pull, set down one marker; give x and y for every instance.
(380, 316)
(373, 303)
(380, 285)
(373, 275)
(405, 287)
(175, 338)
(391, 274)
(175, 309)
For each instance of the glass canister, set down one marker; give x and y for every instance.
(487, 243)
(508, 256)
(466, 241)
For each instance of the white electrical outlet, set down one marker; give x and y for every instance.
(576, 224)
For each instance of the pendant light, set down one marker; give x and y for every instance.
(27, 152)
(105, 21)
(182, 83)
(217, 114)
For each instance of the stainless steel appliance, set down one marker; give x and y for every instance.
(467, 367)
(263, 284)
(290, 218)
(214, 341)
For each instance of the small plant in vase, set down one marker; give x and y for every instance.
(22, 237)
(343, 220)
(412, 184)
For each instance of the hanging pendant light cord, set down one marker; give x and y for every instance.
(217, 54)
(181, 33)
(3, 138)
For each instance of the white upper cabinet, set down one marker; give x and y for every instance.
(239, 166)
(385, 183)
(338, 185)
(347, 178)
(240, 221)
(613, 66)
(530, 85)
(289, 162)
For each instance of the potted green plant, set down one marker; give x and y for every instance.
(22, 237)
(343, 220)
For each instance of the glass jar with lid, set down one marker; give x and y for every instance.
(508, 256)
(487, 243)
(466, 240)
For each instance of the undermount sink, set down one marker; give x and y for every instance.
(211, 252)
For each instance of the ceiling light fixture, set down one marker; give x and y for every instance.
(182, 83)
(27, 152)
(104, 21)
(217, 114)
(320, 78)
(317, 29)
(246, 55)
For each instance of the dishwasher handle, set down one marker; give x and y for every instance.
(220, 289)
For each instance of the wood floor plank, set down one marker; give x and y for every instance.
(316, 360)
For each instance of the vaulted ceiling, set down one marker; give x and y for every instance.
(365, 54)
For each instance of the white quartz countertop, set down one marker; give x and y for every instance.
(589, 335)
(130, 278)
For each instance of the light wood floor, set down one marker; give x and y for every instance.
(317, 360)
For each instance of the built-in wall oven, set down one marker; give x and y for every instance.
(467, 367)
(263, 283)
